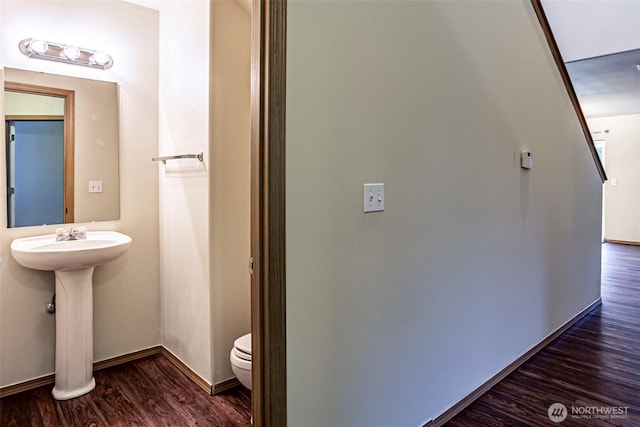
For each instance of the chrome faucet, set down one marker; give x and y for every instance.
(72, 233)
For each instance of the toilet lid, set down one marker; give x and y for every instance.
(243, 344)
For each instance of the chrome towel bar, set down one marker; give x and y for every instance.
(179, 156)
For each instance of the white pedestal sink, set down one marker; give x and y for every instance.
(73, 262)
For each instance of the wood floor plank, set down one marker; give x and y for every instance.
(149, 392)
(596, 363)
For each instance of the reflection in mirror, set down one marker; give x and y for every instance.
(62, 149)
(39, 126)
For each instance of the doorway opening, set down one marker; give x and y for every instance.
(42, 137)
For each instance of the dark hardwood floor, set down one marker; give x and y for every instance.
(595, 364)
(147, 392)
(593, 368)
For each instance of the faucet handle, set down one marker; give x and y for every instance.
(62, 234)
(78, 232)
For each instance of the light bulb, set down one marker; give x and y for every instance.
(71, 52)
(100, 58)
(38, 46)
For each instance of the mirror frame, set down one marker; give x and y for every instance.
(69, 136)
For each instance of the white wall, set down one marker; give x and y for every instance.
(622, 157)
(393, 317)
(28, 104)
(230, 208)
(126, 291)
(184, 184)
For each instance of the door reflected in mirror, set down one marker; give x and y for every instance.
(62, 149)
(39, 126)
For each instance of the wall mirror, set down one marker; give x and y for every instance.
(62, 141)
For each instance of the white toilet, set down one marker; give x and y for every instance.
(241, 360)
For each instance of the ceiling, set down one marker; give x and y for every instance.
(600, 42)
(607, 85)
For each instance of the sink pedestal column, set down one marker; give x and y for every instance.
(74, 334)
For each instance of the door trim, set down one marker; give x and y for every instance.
(268, 303)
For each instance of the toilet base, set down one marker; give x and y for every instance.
(242, 370)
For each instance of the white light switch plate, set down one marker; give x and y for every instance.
(373, 197)
(95, 186)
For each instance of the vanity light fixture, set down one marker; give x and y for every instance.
(67, 53)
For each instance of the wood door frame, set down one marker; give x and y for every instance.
(268, 303)
(69, 137)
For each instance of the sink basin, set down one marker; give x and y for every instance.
(73, 262)
(44, 253)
